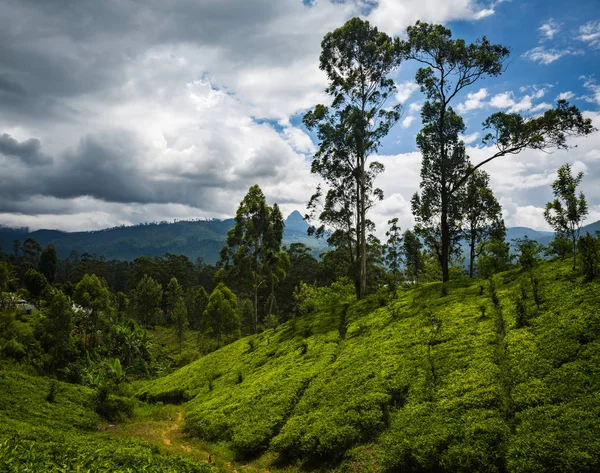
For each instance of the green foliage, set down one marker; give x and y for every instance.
(482, 217)
(220, 319)
(393, 253)
(529, 253)
(560, 247)
(94, 297)
(48, 263)
(197, 300)
(305, 299)
(589, 248)
(35, 283)
(41, 436)
(358, 60)
(180, 318)
(494, 258)
(252, 254)
(425, 383)
(147, 298)
(568, 210)
(412, 250)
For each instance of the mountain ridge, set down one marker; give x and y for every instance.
(192, 238)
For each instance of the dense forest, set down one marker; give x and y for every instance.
(375, 356)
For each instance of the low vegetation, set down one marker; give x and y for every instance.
(417, 382)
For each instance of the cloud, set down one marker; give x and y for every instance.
(415, 107)
(468, 139)
(474, 101)
(568, 95)
(507, 100)
(404, 90)
(592, 86)
(549, 29)
(408, 121)
(394, 16)
(28, 152)
(158, 110)
(590, 34)
(547, 56)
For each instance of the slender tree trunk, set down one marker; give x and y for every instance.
(356, 268)
(445, 243)
(255, 302)
(574, 251)
(272, 296)
(363, 234)
(472, 256)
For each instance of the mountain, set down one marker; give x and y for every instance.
(195, 239)
(295, 223)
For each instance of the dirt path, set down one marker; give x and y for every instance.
(176, 426)
(170, 435)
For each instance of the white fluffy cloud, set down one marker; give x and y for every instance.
(568, 95)
(549, 29)
(394, 16)
(525, 104)
(474, 101)
(547, 56)
(592, 86)
(404, 90)
(590, 33)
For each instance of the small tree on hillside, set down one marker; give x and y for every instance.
(179, 316)
(412, 250)
(568, 210)
(93, 296)
(252, 254)
(48, 263)
(482, 216)
(173, 294)
(147, 297)
(197, 300)
(393, 253)
(59, 325)
(221, 319)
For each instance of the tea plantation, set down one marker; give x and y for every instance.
(475, 377)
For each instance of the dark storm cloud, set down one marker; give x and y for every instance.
(9, 87)
(27, 151)
(109, 167)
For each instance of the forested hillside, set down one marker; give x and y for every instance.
(194, 239)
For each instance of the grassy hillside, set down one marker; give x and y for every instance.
(479, 379)
(38, 435)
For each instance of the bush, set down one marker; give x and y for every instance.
(589, 247)
(13, 349)
(112, 408)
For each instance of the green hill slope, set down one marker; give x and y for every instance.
(425, 382)
(62, 436)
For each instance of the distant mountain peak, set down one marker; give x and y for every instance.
(296, 223)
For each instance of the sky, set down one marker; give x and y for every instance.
(119, 112)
